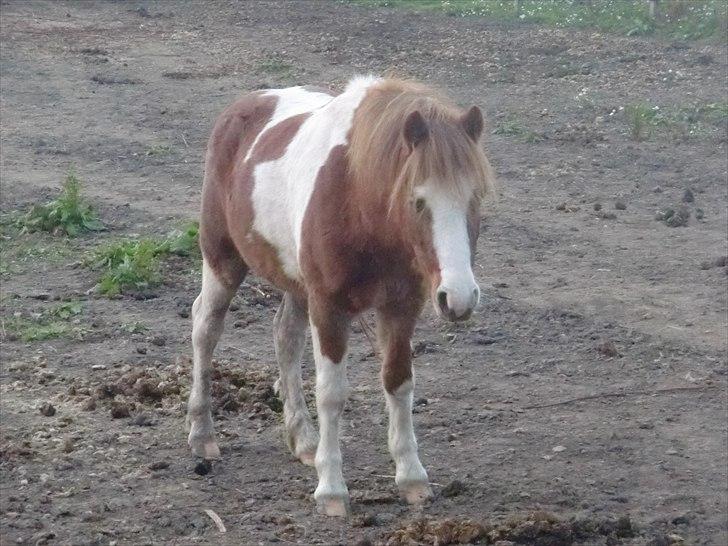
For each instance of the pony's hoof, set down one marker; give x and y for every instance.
(333, 506)
(415, 493)
(307, 457)
(207, 449)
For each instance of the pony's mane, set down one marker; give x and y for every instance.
(378, 154)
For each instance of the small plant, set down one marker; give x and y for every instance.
(513, 128)
(66, 310)
(135, 264)
(274, 64)
(183, 241)
(68, 214)
(50, 324)
(641, 119)
(135, 327)
(127, 265)
(159, 149)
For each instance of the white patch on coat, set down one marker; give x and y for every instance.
(283, 187)
(402, 441)
(331, 393)
(452, 245)
(292, 101)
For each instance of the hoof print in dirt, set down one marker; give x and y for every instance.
(608, 348)
(453, 489)
(202, 467)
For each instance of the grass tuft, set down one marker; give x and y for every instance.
(68, 214)
(135, 264)
(677, 19)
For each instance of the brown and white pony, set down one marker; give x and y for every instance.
(364, 200)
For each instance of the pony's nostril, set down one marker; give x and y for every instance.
(442, 300)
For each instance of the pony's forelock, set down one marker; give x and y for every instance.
(379, 155)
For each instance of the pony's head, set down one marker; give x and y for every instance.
(430, 152)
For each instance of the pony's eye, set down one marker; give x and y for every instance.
(420, 205)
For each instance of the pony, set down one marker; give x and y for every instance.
(367, 199)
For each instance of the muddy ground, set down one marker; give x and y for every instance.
(591, 384)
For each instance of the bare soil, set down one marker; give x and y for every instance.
(590, 385)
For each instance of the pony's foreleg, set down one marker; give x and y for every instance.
(394, 334)
(329, 332)
(290, 326)
(208, 314)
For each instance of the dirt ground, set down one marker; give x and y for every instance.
(591, 384)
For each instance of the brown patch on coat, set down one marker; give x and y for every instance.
(227, 238)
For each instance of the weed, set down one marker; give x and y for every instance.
(49, 324)
(645, 120)
(135, 327)
(127, 265)
(274, 64)
(68, 214)
(135, 264)
(183, 241)
(159, 149)
(513, 128)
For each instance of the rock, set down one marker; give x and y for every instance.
(699, 214)
(142, 420)
(364, 541)
(47, 409)
(68, 446)
(597, 207)
(119, 410)
(657, 189)
(608, 216)
(141, 350)
(608, 349)
(681, 520)
(159, 341)
(203, 467)
(620, 205)
(89, 404)
(364, 520)
(421, 402)
(158, 465)
(453, 489)
(558, 449)
(688, 196)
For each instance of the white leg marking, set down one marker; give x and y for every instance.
(208, 315)
(290, 338)
(332, 495)
(411, 477)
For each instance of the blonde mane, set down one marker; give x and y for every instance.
(378, 153)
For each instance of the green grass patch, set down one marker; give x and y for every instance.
(135, 264)
(681, 19)
(18, 254)
(274, 65)
(50, 324)
(159, 149)
(513, 128)
(69, 214)
(647, 120)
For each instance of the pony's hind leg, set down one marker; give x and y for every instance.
(290, 325)
(208, 315)
(394, 333)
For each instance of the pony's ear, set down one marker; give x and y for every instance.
(473, 123)
(415, 129)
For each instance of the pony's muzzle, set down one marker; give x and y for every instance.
(453, 304)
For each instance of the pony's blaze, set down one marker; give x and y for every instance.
(453, 288)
